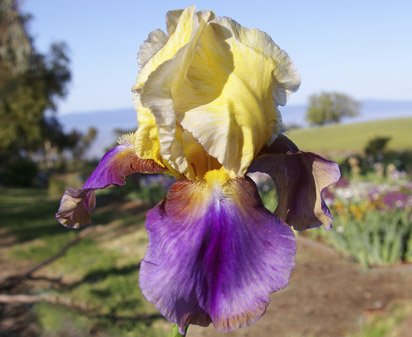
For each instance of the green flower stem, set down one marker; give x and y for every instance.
(176, 332)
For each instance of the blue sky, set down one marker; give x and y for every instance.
(363, 48)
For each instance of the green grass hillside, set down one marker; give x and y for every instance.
(354, 137)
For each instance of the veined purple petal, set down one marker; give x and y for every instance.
(215, 254)
(300, 177)
(77, 204)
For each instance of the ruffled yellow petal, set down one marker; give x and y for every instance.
(157, 49)
(227, 98)
(286, 78)
(172, 19)
(207, 94)
(146, 139)
(154, 42)
(180, 36)
(158, 91)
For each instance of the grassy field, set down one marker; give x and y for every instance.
(100, 271)
(353, 137)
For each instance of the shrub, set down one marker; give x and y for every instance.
(379, 238)
(376, 146)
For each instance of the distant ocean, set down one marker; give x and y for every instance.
(107, 121)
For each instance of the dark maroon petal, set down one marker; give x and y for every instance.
(76, 205)
(281, 144)
(215, 254)
(300, 178)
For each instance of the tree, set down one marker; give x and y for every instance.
(31, 83)
(330, 107)
(61, 148)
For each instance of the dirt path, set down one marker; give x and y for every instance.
(15, 319)
(328, 296)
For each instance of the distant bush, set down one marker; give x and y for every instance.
(376, 146)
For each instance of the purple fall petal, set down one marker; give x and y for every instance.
(215, 254)
(76, 205)
(300, 178)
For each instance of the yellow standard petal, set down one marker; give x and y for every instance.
(146, 139)
(208, 96)
(163, 84)
(180, 36)
(157, 49)
(227, 100)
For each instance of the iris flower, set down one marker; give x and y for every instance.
(207, 97)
